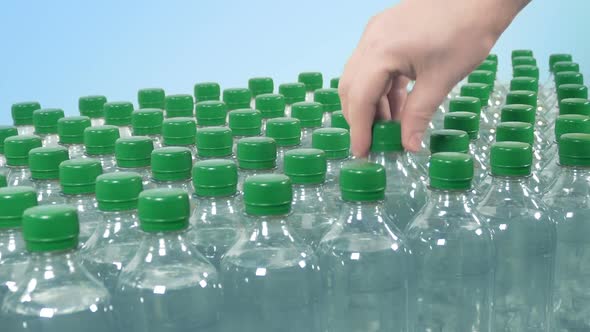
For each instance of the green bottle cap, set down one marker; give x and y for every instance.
(178, 106)
(451, 171)
(572, 91)
(100, 140)
(387, 136)
(92, 106)
(5, 132)
(338, 120)
(45, 120)
(518, 113)
(329, 98)
(524, 60)
(3, 182)
(335, 142)
(465, 121)
(22, 113)
(568, 77)
(483, 77)
(492, 57)
(293, 92)
(309, 113)
(134, 151)
(44, 162)
(574, 106)
(78, 176)
(488, 65)
(559, 57)
(515, 132)
(51, 228)
(335, 82)
(147, 121)
(118, 191)
(449, 140)
(312, 80)
(179, 131)
(362, 181)
(306, 166)
(524, 83)
(571, 123)
(171, 164)
(285, 131)
(237, 98)
(522, 97)
(13, 202)
(477, 90)
(519, 53)
(574, 149)
(525, 71)
(267, 195)
(566, 66)
(260, 85)
(16, 149)
(257, 153)
(163, 210)
(211, 113)
(207, 91)
(245, 122)
(118, 113)
(215, 178)
(151, 98)
(511, 159)
(270, 105)
(71, 129)
(214, 142)
(465, 104)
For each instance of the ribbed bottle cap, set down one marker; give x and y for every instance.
(558, 57)
(214, 142)
(339, 121)
(267, 195)
(387, 136)
(44, 162)
(207, 91)
(492, 57)
(309, 113)
(519, 53)
(285, 131)
(171, 163)
(574, 149)
(245, 122)
(45, 120)
(147, 121)
(261, 85)
(163, 210)
(71, 129)
(118, 113)
(465, 121)
(78, 176)
(451, 171)
(524, 60)
(305, 166)
(16, 149)
(515, 132)
(134, 151)
(335, 82)
(482, 76)
(215, 177)
(236, 98)
(574, 106)
(151, 98)
(518, 113)
(312, 80)
(525, 71)
(5, 132)
(572, 91)
(511, 159)
(335, 142)
(449, 140)
(22, 113)
(179, 131)
(211, 113)
(477, 90)
(524, 83)
(522, 97)
(566, 66)
(329, 99)
(118, 191)
(100, 139)
(257, 153)
(178, 106)
(92, 106)
(465, 104)
(571, 123)
(362, 181)
(13, 202)
(488, 65)
(51, 228)
(3, 182)
(568, 77)
(270, 105)
(293, 92)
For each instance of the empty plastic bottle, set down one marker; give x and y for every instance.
(119, 114)
(256, 155)
(524, 60)
(93, 107)
(488, 117)
(207, 91)
(330, 101)
(567, 77)
(44, 164)
(338, 120)
(313, 81)
(525, 113)
(22, 116)
(16, 150)
(134, 154)
(259, 86)
(270, 106)
(293, 93)
(237, 98)
(148, 122)
(366, 266)
(549, 86)
(45, 121)
(214, 143)
(287, 134)
(71, 134)
(244, 123)
(171, 168)
(270, 279)
(5, 132)
(180, 106)
(441, 140)
(180, 132)
(542, 125)
(310, 114)
(100, 144)
(211, 113)
(453, 251)
(151, 98)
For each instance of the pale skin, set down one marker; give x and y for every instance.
(434, 42)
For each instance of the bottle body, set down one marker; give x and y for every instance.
(88, 214)
(306, 135)
(331, 186)
(13, 260)
(108, 162)
(75, 151)
(25, 129)
(309, 213)
(48, 192)
(125, 131)
(19, 176)
(49, 139)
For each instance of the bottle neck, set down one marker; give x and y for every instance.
(46, 262)
(269, 229)
(126, 216)
(46, 183)
(449, 198)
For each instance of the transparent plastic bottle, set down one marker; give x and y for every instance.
(216, 217)
(5, 132)
(271, 279)
(148, 122)
(338, 120)
(214, 143)
(171, 168)
(525, 240)
(22, 116)
(93, 107)
(180, 106)
(293, 93)
(260, 86)
(549, 86)
(116, 237)
(256, 155)
(167, 272)
(205, 91)
(134, 154)
(542, 125)
(152, 98)
(118, 114)
(100, 144)
(524, 60)
(453, 251)
(71, 134)
(182, 132)
(287, 134)
(310, 114)
(563, 77)
(237, 98)
(270, 106)
(45, 122)
(211, 113)
(488, 118)
(525, 113)
(78, 186)
(313, 81)
(366, 266)
(16, 150)
(244, 123)
(330, 101)
(44, 165)
(499, 89)
(56, 292)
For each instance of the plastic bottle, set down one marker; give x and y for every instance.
(71, 134)
(313, 81)
(453, 251)
(216, 217)
(100, 144)
(244, 123)
(119, 114)
(330, 101)
(180, 132)
(148, 122)
(180, 106)
(488, 116)
(214, 143)
(338, 120)
(270, 106)
(57, 293)
(45, 122)
(93, 107)
(171, 168)
(237, 98)
(366, 266)
(134, 154)
(207, 91)
(151, 98)
(116, 237)
(5, 132)
(293, 93)
(270, 279)
(525, 113)
(524, 60)
(310, 115)
(211, 113)
(549, 86)
(256, 155)
(22, 116)
(44, 165)
(542, 125)
(441, 140)
(167, 272)
(16, 150)
(287, 134)
(259, 86)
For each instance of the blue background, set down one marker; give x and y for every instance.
(56, 51)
